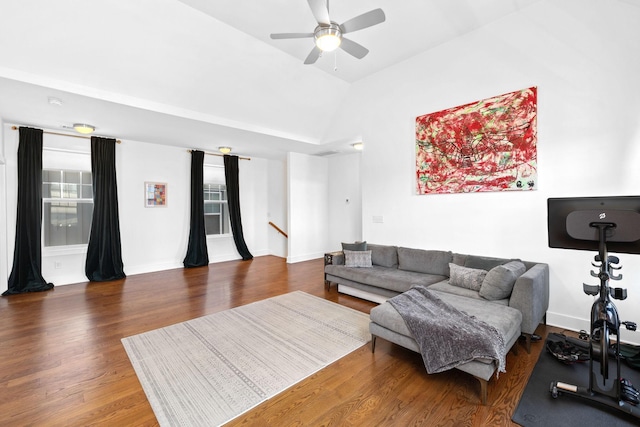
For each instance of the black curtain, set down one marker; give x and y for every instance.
(197, 255)
(104, 252)
(233, 200)
(26, 274)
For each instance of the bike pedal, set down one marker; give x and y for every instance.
(628, 392)
(590, 289)
(618, 293)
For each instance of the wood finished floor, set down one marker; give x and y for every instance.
(62, 362)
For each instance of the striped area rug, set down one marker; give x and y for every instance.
(209, 370)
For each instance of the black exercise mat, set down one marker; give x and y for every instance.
(538, 408)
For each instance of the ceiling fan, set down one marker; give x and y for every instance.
(328, 34)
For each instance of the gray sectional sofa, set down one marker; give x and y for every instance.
(510, 295)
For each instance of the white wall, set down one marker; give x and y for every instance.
(582, 59)
(308, 206)
(277, 207)
(345, 200)
(153, 239)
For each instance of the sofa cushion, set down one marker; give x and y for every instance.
(424, 261)
(505, 319)
(357, 246)
(459, 259)
(499, 281)
(357, 258)
(387, 316)
(445, 286)
(384, 256)
(464, 277)
(381, 277)
(482, 262)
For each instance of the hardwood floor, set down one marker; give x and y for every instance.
(62, 362)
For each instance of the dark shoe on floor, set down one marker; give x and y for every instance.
(562, 351)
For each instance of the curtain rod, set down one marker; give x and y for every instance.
(64, 134)
(221, 155)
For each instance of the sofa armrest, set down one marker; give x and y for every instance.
(531, 296)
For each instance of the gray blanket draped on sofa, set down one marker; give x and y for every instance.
(446, 336)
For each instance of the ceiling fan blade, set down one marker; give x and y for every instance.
(353, 48)
(373, 17)
(320, 11)
(291, 35)
(313, 56)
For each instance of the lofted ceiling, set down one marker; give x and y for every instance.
(205, 73)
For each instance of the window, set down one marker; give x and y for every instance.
(67, 198)
(216, 210)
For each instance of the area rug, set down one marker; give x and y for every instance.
(538, 408)
(209, 370)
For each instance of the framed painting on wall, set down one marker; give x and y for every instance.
(488, 145)
(155, 194)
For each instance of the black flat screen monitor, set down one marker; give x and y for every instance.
(573, 223)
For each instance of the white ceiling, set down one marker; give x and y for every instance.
(411, 27)
(203, 73)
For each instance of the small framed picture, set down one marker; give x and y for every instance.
(155, 194)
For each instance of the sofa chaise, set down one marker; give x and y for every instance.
(510, 295)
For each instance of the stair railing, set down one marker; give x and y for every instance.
(279, 229)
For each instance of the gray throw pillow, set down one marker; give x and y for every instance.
(357, 258)
(357, 246)
(464, 277)
(500, 280)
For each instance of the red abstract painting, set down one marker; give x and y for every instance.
(488, 145)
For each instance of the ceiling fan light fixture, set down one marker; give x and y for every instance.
(328, 34)
(358, 145)
(328, 38)
(83, 128)
(224, 150)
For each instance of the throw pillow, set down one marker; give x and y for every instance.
(357, 246)
(500, 280)
(357, 258)
(464, 277)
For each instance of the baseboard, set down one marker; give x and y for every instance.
(567, 322)
(576, 324)
(369, 296)
(234, 256)
(150, 268)
(306, 257)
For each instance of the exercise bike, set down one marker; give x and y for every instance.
(605, 384)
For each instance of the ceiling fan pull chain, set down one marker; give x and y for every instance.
(335, 61)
